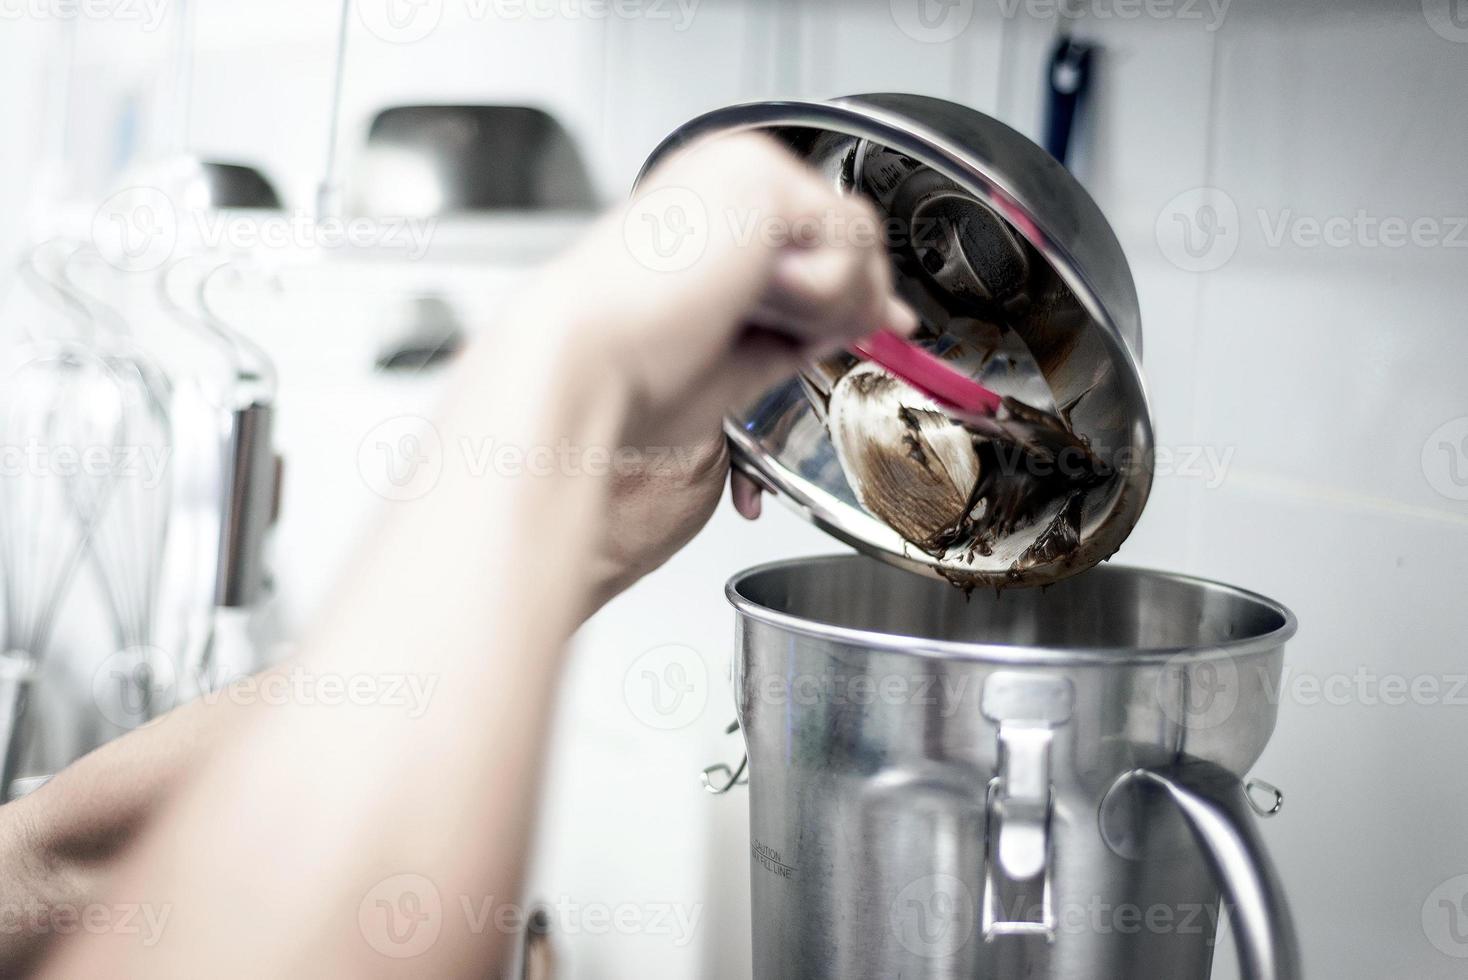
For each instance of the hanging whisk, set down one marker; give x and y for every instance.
(58, 409)
(131, 525)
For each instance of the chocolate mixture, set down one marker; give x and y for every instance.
(961, 485)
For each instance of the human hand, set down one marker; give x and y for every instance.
(783, 269)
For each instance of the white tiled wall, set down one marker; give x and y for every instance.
(1322, 375)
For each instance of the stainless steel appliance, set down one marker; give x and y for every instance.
(1034, 783)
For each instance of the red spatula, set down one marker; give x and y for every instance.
(929, 374)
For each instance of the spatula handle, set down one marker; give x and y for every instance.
(929, 374)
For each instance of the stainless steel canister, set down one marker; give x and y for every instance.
(1033, 783)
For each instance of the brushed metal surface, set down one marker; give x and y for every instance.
(898, 731)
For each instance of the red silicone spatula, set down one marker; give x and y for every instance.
(929, 374)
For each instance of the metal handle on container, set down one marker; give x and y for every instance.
(1216, 808)
(1027, 709)
(721, 777)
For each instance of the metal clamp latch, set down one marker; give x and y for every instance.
(1027, 708)
(720, 777)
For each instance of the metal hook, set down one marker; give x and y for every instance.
(720, 778)
(1269, 789)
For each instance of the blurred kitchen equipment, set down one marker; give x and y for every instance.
(424, 160)
(131, 520)
(439, 160)
(1004, 256)
(538, 953)
(238, 441)
(172, 166)
(237, 185)
(436, 335)
(60, 406)
(43, 531)
(955, 786)
(1068, 83)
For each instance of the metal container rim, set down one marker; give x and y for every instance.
(879, 642)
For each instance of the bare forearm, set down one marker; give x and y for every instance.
(58, 845)
(444, 798)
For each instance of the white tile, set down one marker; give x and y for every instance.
(1375, 792)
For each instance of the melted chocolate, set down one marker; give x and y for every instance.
(963, 485)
